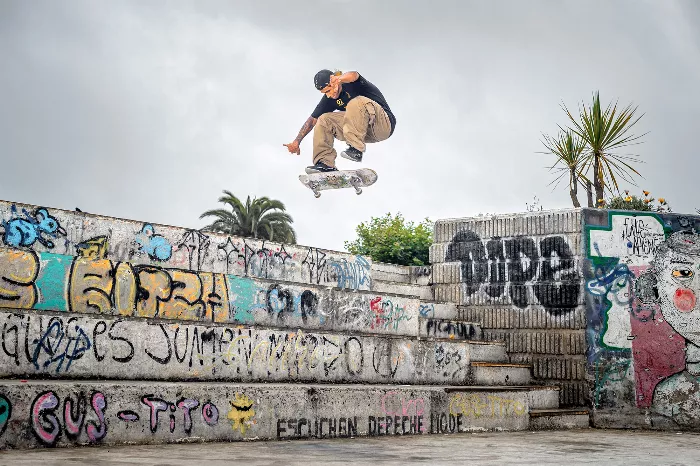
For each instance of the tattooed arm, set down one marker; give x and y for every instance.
(293, 146)
(308, 126)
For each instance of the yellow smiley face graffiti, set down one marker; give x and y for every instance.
(241, 413)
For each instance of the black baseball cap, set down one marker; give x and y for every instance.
(322, 79)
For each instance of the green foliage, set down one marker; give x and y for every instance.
(632, 202)
(262, 218)
(393, 240)
(627, 203)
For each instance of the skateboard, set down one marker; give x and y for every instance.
(357, 179)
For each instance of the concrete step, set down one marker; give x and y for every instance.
(54, 345)
(540, 397)
(438, 310)
(449, 329)
(414, 275)
(391, 272)
(500, 373)
(557, 419)
(56, 282)
(402, 289)
(55, 413)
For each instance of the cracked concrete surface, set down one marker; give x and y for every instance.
(589, 446)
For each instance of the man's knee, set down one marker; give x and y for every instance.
(357, 102)
(324, 120)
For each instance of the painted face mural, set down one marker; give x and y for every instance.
(676, 269)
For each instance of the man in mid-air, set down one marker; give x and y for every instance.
(363, 117)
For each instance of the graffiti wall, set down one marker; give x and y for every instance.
(65, 261)
(78, 234)
(519, 278)
(40, 345)
(35, 414)
(642, 287)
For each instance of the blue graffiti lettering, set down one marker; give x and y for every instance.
(59, 347)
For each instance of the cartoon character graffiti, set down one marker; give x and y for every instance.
(241, 413)
(155, 246)
(32, 228)
(671, 286)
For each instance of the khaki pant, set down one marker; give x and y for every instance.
(363, 121)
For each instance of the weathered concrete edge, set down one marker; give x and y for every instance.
(71, 346)
(111, 413)
(123, 240)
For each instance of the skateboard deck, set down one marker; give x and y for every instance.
(358, 179)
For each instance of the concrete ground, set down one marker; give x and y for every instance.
(590, 446)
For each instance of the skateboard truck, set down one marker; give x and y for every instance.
(356, 182)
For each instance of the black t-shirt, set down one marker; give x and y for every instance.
(351, 90)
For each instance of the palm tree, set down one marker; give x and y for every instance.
(603, 132)
(569, 151)
(262, 218)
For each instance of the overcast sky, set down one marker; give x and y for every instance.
(148, 110)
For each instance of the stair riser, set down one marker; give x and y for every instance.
(440, 328)
(486, 375)
(387, 276)
(117, 413)
(49, 345)
(188, 249)
(66, 283)
(555, 422)
(438, 310)
(544, 399)
(488, 352)
(417, 291)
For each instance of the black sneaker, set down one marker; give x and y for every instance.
(320, 167)
(352, 154)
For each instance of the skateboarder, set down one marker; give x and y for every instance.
(363, 117)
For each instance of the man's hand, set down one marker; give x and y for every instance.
(334, 85)
(334, 81)
(293, 147)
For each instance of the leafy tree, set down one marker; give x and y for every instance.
(393, 240)
(604, 132)
(262, 218)
(569, 151)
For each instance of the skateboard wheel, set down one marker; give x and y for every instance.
(358, 191)
(317, 195)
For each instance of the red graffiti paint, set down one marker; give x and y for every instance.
(684, 299)
(45, 423)
(96, 431)
(394, 404)
(658, 351)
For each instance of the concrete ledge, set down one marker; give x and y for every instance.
(144, 243)
(74, 413)
(49, 281)
(72, 346)
(402, 289)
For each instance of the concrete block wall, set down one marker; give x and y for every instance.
(642, 273)
(120, 331)
(519, 277)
